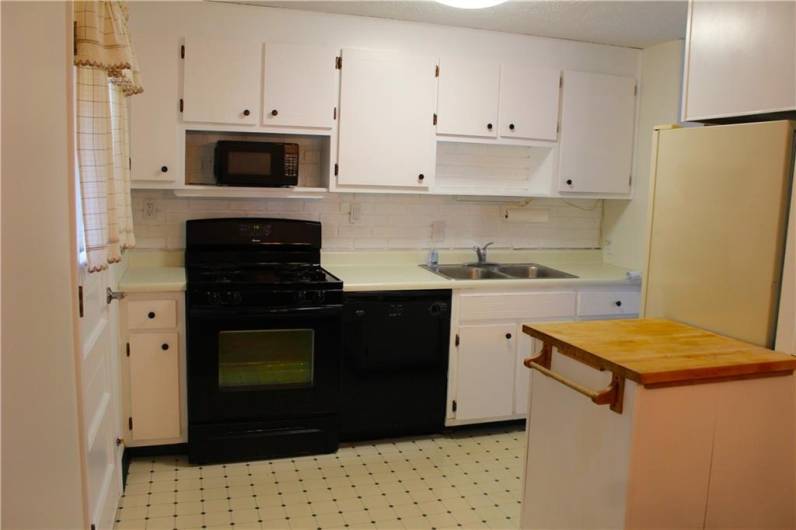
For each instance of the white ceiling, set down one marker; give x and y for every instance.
(637, 24)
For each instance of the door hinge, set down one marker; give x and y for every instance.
(454, 406)
(435, 118)
(130, 423)
(338, 62)
(182, 105)
(80, 300)
(182, 51)
(336, 169)
(128, 349)
(436, 71)
(334, 114)
(456, 340)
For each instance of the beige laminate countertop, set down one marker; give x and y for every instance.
(162, 271)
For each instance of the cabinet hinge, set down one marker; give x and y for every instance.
(456, 340)
(336, 169)
(128, 349)
(130, 162)
(435, 118)
(436, 71)
(334, 114)
(80, 300)
(561, 81)
(558, 127)
(630, 180)
(93, 526)
(182, 51)
(182, 105)
(130, 423)
(338, 62)
(454, 406)
(635, 89)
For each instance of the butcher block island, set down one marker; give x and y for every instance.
(655, 424)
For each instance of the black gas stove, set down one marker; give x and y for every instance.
(264, 340)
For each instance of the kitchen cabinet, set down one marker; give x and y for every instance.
(299, 86)
(386, 133)
(221, 82)
(740, 59)
(529, 100)
(597, 126)
(468, 98)
(485, 363)
(153, 368)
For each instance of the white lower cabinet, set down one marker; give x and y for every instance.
(486, 378)
(154, 368)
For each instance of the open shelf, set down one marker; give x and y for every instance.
(235, 192)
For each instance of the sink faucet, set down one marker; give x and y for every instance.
(480, 252)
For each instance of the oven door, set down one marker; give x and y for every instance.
(263, 366)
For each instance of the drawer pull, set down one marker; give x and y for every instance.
(164, 346)
(508, 336)
(150, 315)
(618, 303)
(613, 395)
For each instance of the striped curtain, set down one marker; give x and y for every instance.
(106, 75)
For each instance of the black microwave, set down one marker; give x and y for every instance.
(262, 164)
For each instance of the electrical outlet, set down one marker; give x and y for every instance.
(355, 213)
(150, 209)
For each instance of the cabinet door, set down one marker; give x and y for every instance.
(386, 130)
(154, 392)
(597, 122)
(529, 102)
(468, 98)
(300, 86)
(154, 113)
(527, 346)
(740, 59)
(485, 372)
(221, 81)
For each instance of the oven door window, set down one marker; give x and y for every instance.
(262, 359)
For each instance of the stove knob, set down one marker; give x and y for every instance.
(213, 298)
(237, 298)
(316, 296)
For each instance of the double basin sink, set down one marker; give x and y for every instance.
(496, 271)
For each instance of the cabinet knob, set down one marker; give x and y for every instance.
(511, 126)
(164, 346)
(618, 303)
(151, 315)
(569, 182)
(274, 112)
(489, 126)
(508, 335)
(420, 177)
(164, 169)
(246, 112)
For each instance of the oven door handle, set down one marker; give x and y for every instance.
(209, 312)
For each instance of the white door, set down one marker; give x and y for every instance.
(221, 81)
(597, 124)
(386, 128)
(529, 102)
(300, 86)
(468, 98)
(154, 367)
(485, 371)
(100, 384)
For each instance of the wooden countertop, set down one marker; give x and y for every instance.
(660, 352)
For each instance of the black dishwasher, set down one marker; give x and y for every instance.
(395, 363)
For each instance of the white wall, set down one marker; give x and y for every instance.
(41, 479)
(625, 222)
(386, 221)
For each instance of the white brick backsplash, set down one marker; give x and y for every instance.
(386, 221)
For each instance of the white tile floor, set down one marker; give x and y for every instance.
(468, 479)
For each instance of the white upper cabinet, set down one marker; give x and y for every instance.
(468, 98)
(740, 59)
(529, 102)
(386, 130)
(299, 86)
(597, 125)
(222, 81)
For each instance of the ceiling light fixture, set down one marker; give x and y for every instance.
(471, 4)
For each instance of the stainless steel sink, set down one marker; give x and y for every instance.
(496, 271)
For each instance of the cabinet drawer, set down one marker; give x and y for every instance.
(152, 314)
(608, 303)
(155, 385)
(527, 306)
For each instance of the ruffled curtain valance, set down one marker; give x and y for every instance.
(106, 74)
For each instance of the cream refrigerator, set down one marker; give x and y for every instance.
(719, 203)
